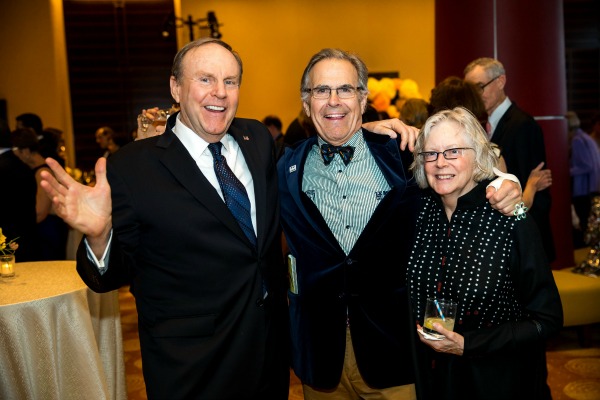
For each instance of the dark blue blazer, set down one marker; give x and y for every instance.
(367, 287)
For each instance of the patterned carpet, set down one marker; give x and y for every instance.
(574, 372)
(136, 389)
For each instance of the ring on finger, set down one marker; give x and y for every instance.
(520, 210)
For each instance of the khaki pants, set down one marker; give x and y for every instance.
(353, 387)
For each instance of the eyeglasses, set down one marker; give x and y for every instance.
(450, 154)
(482, 86)
(343, 92)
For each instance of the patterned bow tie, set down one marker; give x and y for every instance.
(328, 152)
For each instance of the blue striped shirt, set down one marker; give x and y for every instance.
(346, 195)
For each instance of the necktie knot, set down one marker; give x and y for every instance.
(488, 129)
(328, 152)
(215, 149)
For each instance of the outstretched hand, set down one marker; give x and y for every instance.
(87, 209)
(393, 128)
(540, 178)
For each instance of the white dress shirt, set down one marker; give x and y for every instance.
(198, 149)
(494, 118)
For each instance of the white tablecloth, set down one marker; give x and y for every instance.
(58, 339)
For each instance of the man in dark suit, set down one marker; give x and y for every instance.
(348, 206)
(520, 138)
(273, 124)
(210, 291)
(17, 202)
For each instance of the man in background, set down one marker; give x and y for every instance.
(273, 124)
(17, 200)
(584, 167)
(107, 139)
(31, 121)
(520, 138)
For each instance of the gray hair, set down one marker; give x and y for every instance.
(573, 121)
(472, 131)
(492, 67)
(177, 68)
(325, 54)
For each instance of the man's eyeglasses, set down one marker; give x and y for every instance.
(450, 154)
(482, 86)
(324, 92)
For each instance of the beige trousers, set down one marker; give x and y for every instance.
(353, 387)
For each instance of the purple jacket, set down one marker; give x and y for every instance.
(584, 165)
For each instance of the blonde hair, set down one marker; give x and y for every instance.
(471, 130)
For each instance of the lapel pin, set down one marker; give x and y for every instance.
(292, 168)
(246, 137)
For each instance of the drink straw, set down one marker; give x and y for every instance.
(439, 309)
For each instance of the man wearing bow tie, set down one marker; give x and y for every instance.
(348, 206)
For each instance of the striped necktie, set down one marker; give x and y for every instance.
(236, 197)
(488, 129)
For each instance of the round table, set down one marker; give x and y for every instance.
(59, 339)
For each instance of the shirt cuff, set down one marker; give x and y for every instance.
(101, 264)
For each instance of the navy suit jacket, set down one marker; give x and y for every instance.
(369, 283)
(206, 332)
(522, 143)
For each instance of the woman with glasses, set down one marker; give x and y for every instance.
(494, 267)
(454, 92)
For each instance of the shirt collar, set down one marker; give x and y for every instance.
(354, 141)
(357, 141)
(192, 141)
(498, 113)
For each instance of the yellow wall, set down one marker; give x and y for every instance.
(276, 38)
(34, 68)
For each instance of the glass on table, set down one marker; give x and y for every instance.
(7, 265)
